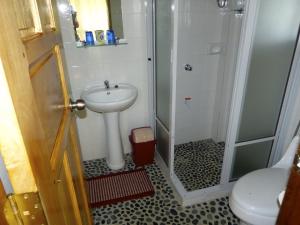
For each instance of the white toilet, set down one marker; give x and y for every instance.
(254, 196)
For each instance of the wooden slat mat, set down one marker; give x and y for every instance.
(119, 187)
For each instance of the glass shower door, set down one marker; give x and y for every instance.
(163, 46)
(276, 36)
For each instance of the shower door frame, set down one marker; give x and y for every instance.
(151, 68)
(243, 60)
(225, 187)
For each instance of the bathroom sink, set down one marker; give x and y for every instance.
(110, 100)
(116, 98)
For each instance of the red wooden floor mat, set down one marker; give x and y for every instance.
(118, 187)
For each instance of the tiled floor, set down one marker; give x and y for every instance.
(162, 208)
(199, 164)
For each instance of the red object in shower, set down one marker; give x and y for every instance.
(142, 153)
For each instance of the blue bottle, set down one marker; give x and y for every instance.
(89, 38)
(111, 38)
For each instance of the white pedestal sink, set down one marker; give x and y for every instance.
(111, 101)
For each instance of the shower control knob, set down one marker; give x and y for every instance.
(79, 104)
(188, 67)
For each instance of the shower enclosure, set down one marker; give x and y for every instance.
(208, 39)
(224, 74)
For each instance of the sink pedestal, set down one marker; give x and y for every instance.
(115, 155)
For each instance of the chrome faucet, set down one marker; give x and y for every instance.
(106, 83)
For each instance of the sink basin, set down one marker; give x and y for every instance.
(115, 99)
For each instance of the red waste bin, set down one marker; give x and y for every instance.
(143, 152)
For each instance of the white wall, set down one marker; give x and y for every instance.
(294, 119)
(293, 109)
(117, 64)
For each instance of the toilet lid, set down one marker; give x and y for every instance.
(258, 191)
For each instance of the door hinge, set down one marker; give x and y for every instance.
(24, 209)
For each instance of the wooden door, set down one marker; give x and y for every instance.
(2, 204)
(290, 210)
(38, 137)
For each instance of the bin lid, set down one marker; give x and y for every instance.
(143, 134)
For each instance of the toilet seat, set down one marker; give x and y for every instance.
(254, 196)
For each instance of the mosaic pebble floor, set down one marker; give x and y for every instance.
(162, 208)
(198, 164)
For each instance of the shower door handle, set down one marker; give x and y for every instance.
(188, 67)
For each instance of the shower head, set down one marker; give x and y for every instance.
(222, 3)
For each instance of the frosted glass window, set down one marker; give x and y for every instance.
(163, 59)
(273, 49)
(251, 157)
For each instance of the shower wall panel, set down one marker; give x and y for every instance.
(163, 46)
(227, 64)
(163, 54)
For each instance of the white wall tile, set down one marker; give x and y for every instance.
(133, 24)
(133, 6)
(91, 135)
(198, 6)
